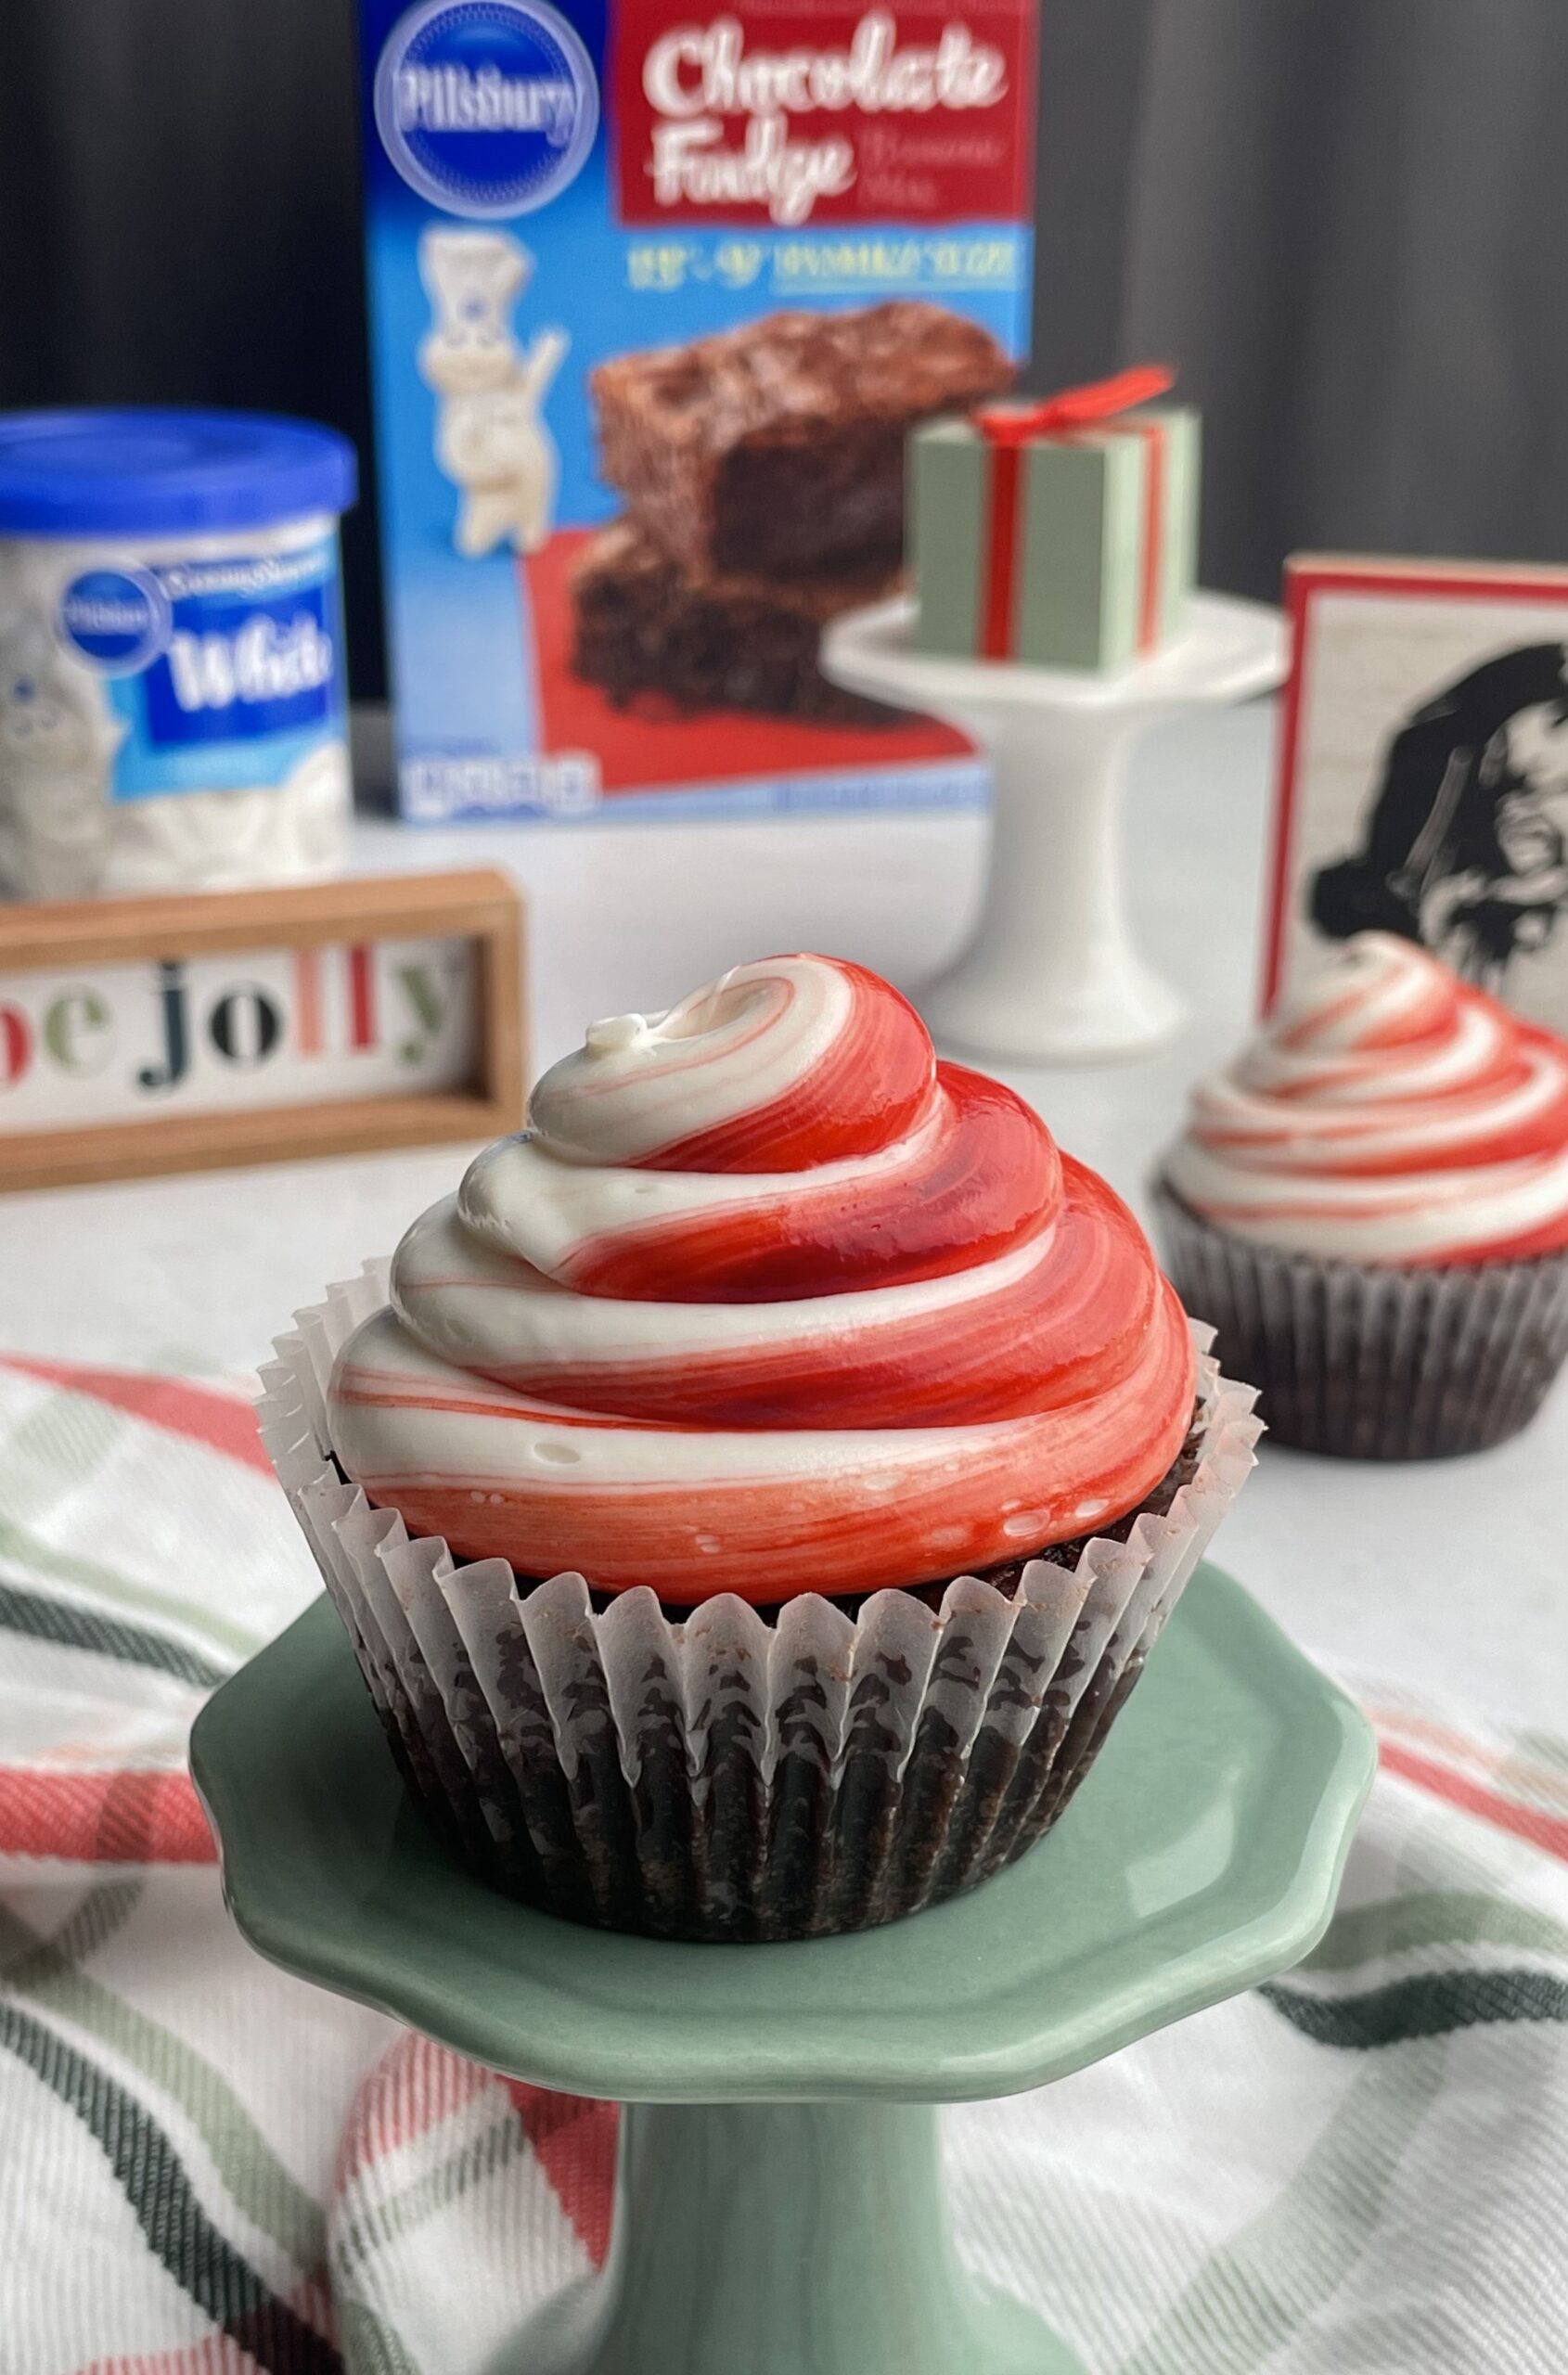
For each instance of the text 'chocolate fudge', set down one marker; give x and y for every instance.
(779, 448)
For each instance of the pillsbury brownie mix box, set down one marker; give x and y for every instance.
(657, 293)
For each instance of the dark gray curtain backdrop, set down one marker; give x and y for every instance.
(1346, 221)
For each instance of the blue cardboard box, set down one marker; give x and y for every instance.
(649, 285)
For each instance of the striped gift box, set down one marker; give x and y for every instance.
(1063, 533)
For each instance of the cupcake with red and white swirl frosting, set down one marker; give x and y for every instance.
(765, 1301)
(752, 1497)
(1372, 1206)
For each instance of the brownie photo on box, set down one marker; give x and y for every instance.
(779, 448)
(660, 640)
(762, 470)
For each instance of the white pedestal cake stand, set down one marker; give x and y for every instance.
(1052, 975)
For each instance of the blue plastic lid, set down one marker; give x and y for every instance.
(151, 473)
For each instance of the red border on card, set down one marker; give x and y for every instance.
(1304, 580)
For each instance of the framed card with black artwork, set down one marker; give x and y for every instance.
(1423, 780)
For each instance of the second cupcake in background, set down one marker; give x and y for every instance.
(753, 1495)
(1370, 1206)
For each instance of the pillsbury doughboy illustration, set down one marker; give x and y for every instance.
(491, 438)
(58, 741)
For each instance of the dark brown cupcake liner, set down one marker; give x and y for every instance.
(723, 1774)
(1366, 1363)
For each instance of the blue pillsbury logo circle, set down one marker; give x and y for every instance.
(487, 107)
(114, 618)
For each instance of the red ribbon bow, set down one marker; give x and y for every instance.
(1074, 407)
(1007, 430)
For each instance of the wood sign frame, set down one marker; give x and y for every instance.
(105, 941)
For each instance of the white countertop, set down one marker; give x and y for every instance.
(1451, 1575)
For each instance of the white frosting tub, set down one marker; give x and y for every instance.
(172, 699)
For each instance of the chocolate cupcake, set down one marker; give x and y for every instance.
(753, 1494)
(1371, 1207)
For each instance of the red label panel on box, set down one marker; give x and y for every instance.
(795, 115)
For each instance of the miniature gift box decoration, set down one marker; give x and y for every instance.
(1061, 533)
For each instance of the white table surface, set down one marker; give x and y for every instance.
(1451, 1576)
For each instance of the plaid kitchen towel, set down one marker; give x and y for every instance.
(206, 2168)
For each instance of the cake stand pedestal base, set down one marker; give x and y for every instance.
(779, 2207)
(1052, 975)
(782, 2239)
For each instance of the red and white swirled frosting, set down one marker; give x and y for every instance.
(1387, 1113)
(766, 1301)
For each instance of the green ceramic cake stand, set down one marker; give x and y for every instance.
(779, 2207)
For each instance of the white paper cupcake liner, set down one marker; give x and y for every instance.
(1373, 1363)
(717, 1774)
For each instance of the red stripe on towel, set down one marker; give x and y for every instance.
(201, 1413)
(146, 1816)
(1546, 1831)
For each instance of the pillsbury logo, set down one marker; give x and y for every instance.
(114, 618)
(486, 107)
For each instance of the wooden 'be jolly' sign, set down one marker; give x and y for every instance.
(140, 1036)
